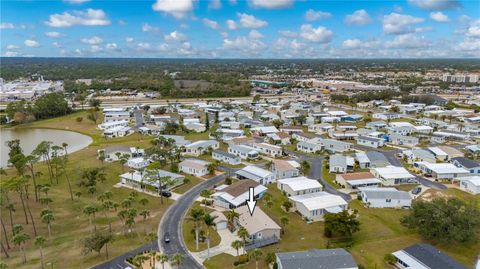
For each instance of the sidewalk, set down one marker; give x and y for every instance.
(224, 247)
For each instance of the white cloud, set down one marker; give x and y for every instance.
(231, 24)
(147, 28)
(469, 44)
(439, 17)
(271, 4)
(6, 25)
(351, 44)
(95, 49)
(288, 33)
(31, 43)
(254, 34)
(176, 36)
(53, 34)
(317, 35)
(56, 45)
(76, 1)
(435, 4)
(89, 17)
(112, 47)
(312, 15)
(177, 8)
(94, 40)
(359, 17)
(247, 46)
(215, 4)
(10, 54)
(407, 41)
(464, 19)
(249, 21)
(12, 47)
(210, 23)
(129, 39)
(474, 29)
(397, 24)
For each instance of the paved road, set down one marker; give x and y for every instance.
(119, 262)
(172, 223)
(431, 184)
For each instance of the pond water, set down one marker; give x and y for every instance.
(31, 137)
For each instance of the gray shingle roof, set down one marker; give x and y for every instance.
(466, 162)
(317, 258)
(432, 257)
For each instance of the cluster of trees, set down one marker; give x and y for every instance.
(445, 220)
(46, 106)
(365, 96)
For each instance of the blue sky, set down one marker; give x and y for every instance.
(241, 29)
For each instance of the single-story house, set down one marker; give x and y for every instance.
(262, 131)
(141, 180)
(332, 145)
(337, 258)
(385, 198)
(424, 256)
(405, 140)
(237, 194)
(354, 181)
(195, 126)
(112, 124)
(285, 169)
(468, 164)
(119, 131)
(256, 173)
(393, 175)
(226, 157)
(262, 230)
(112, 116)
(377, 159)
(298, 185)
(243, 151)
(341, 164)
(178, 140)
(268, 149)
(198, 148)
(440, 170)
(194, 167)
(368, 141)
(445, 153)
(115, 152)
(313, 206)
(310, 146)
(138, 162)
(469, 184)
(362, 159)
(416, 155)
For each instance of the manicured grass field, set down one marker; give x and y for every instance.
(380, 233)
(185, 187)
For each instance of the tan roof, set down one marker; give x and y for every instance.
(282, 165)
(291, 127)
(283, 135)
(307, 135)
(241, 140)
(357, 176)
(452, 152)
(194, 163)
(240, 187)
(256, 223)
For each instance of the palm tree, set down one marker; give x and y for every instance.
(177, 260)
(162, 259)
(237, 244)
(145, 214)
(243, 234)
(255, 254)
(31, 160)
(47, 217)
(284, 220)
(209, 221)
(39, 243)
(20, 239)
(206, 194)
(196, 215)
(231, 215)
(90, 211)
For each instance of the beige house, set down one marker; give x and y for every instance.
(260, 226)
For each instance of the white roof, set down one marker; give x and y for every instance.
(401, 124)
(252, 169)
(337, 113)
(423, 127)
(236, 201)
(202, 143)
(265, 129)
(475, 180)
(300, 183)
(393, 172)
(412, 262)
(443, 168)
(136, 160)
(318, 200)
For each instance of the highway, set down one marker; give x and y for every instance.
(172, 223)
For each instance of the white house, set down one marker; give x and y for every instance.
(226, 157)
(138, 163)
(200, 147)
(368, 141)
(340, 164)
(440, 170)
(243, 151)
(256, 173)
(310, 146)
(139, 180)
(118, 131)
(194, 167)
(469, 184)
(285, 169)
(354, 181)
(111, 116)
(298, 185)
(393, 175)
(385, 198)
(112, 124)
(268, 149)
(313, 206)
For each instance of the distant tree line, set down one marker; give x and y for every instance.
(47, 106)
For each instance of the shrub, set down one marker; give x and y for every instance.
(390, 259)
(242, 259)
(79, 119)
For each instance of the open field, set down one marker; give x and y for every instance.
(380, 233)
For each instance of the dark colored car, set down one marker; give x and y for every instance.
(166, 194)
(166, 237)
(417, 190)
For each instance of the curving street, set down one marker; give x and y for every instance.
(172, 223)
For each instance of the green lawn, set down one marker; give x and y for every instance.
(329, 177)
(380, 233)
(197, 136)
(189, 236)
(185, 187)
